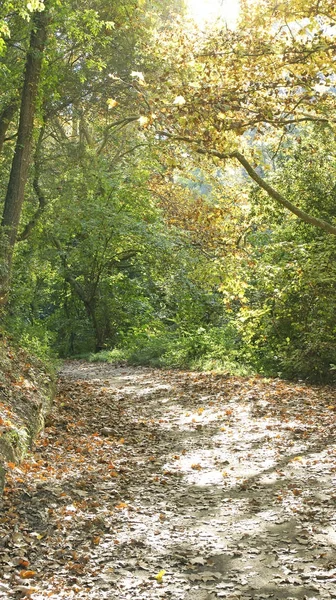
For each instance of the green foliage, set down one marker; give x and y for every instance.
(136, 250)
(289, 323)
(200, 349)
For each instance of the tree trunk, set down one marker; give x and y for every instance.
(22, 155)
(5, 120)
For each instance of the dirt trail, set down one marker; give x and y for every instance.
(226, 484)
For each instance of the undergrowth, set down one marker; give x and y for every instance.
(200, 350)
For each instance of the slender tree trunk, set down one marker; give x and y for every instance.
(22, 155)
(5, 120)
(89, 303)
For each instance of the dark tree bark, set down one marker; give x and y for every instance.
(89, 301)
(5, 120)
(22, 155)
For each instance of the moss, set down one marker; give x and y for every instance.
(27, 390)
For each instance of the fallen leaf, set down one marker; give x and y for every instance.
(160, 575)
(27, 574)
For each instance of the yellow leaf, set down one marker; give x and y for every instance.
(111, 103)
(160, 575)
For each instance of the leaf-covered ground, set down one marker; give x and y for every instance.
(227, 485)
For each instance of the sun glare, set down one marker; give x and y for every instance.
(205, 11)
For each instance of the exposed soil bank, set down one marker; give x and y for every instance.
(26, 393)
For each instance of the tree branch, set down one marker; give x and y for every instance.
(120, 124)
(38, 191)
(271, 191)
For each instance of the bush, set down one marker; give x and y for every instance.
(200, 349)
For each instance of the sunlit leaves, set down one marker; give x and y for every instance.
(139, 76)
(143, 121)
(35, 5)
(179, 101)
(265, 74)
(111, 103)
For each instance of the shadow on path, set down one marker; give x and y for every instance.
(226, 484)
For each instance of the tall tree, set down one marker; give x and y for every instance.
(22, 154)
(224, 91)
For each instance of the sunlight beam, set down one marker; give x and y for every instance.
(204, 12)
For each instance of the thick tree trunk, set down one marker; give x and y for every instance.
(22, 155)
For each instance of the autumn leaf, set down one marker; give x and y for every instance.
(111, 103)
(160, 575)
(121, 505)
(96, 540)
(27, 574)
(23, 562)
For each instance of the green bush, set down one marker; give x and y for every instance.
(201, 349)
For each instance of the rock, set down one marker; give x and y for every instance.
(109, 431)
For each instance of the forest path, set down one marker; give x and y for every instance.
(227, 484)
